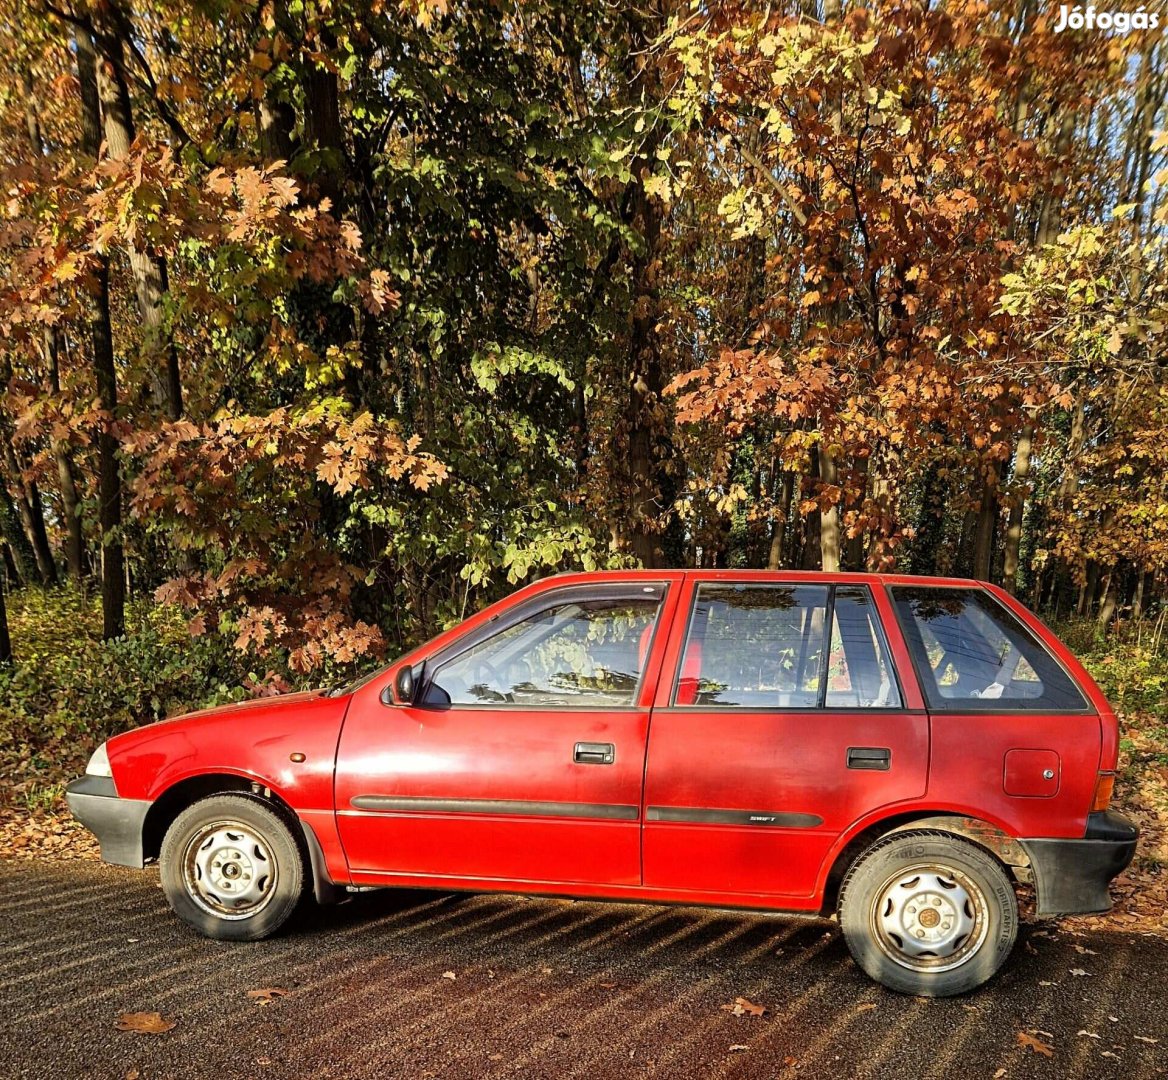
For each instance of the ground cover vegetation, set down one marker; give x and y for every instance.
(324, 323)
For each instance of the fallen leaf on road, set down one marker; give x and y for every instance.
(1147, 1039)
(741, 1007)
(1037, 1045)
(999, 1074)
(1089, 1034)
(737, 1048)
(1108, 1053)
(1084, 951)
(132, 1074)
(1080, 972)
(1046, 982)
(449, 975)
(148, 1023)
(868, 1006)
(267, 995)
(1030, 948)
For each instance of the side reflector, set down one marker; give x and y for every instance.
(1104, 786)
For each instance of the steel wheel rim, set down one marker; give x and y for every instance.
(229, 870)
(930, 918)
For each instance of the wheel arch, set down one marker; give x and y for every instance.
(986, 835)
(188, 791)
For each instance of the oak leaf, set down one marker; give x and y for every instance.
(1026, 1040)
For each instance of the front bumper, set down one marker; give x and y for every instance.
(116, 822)
(1071, 876)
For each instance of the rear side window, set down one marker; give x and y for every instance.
(764, 647)
(859, 670)
(972, 654)
(755, 646)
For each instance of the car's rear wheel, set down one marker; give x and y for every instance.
(231, 868)
(928, 914)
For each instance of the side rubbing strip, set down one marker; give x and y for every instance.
(505, 807)
(765, 818)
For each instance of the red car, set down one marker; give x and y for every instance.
(902, 751)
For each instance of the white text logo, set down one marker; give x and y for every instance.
(1079, 18)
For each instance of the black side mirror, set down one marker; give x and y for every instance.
(401, 690)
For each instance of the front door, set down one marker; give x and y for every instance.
(525, 757)
(785, 725)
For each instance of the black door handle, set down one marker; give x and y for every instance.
(869, 757)
(594, 753)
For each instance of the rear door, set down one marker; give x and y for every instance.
(523, 760)
(782, 724)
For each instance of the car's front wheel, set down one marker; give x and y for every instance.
(231, 868)
(928, 914)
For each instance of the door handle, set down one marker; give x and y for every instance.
(594, 753)
(870, 757)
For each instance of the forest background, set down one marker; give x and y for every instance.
(324, 323)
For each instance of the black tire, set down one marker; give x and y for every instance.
(231, 868)
(936, 887)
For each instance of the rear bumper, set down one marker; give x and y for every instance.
(116, 822)
(1071, 876)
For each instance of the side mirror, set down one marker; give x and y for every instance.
(401, 690)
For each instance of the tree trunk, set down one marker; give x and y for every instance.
(276, 119)
(149, 271)
(1017, 509)
(829, 520)
(1110, 599)
(987, 520)
(1087, 591)
(650, 498)
(53, 346)
(109, 484)
(1138, 597)
(66, 471)
(16, 549)
(5, 638)
(779, 525)
(27, 498)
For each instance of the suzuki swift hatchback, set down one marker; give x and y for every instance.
(902, 751)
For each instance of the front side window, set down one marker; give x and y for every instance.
(972, 653)
(755, 646)
(581, 652)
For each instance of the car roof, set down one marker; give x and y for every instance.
(762, 576)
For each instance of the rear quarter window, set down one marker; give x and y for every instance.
(972, 654)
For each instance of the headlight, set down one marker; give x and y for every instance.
(99, 764)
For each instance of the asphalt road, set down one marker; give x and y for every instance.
(540, 988)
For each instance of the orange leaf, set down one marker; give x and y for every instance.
(1037, 1045)
(148, 1023)
(742, 1007)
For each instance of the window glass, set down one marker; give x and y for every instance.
(754, 646)
(972, 653)
(580, 652)
(859, 672)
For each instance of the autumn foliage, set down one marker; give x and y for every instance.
(329, 322)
